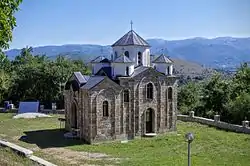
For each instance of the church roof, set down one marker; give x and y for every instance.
(81, 78)
(139, 70)
(131, 38)
(106, 71)
(162, 59)
(100, 59)
(93, 81)
(122, 59)
(105, 61)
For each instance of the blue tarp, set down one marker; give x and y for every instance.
(25, 107)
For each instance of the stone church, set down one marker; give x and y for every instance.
(126, 96)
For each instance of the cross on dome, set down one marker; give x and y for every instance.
(131, 24)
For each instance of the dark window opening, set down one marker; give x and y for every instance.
(150, 91)
(105, 106)
(127, 71)
(116, 55)
(126, 54)
(149, 121)
(139, 58)
(170, 93)
(126, 96)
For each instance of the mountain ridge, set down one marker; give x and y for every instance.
(215, 52)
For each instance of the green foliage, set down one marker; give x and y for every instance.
(7, 21)
(35, 77)
(242, 80)
(4, 83)
(216, 94)
(240, 108)
(188, 97)
(227, 97)
(8, 157)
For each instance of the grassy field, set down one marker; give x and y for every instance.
(9, 158)
(210, 147)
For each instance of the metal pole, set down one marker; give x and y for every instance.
(189, 160)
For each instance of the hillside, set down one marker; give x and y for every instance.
(192, 69)
(226, 52)
(210, 146)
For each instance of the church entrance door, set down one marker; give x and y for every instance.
(149, 121)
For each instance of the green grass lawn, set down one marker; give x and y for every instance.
(210, 147)
(9, 158)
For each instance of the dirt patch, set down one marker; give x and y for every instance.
(74, 157)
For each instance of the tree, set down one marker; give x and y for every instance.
(4, 62)
(25, 57)
(37, 77)
(189, 97)
(216, 95)
(241, 81)
(7, 21)
(239, 108)
(4, 84)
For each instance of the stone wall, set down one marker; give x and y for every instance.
(215, 123)
(126, 119)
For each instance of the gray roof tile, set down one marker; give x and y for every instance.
(105, 61)
(122, 59)
(93, 81)
(81, 78)
(131, 38)
(162, 59)
(139, 70)
(106, 70)
(100, 59)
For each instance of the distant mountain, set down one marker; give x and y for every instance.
(217, 52)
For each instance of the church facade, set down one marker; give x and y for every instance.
(126, 96)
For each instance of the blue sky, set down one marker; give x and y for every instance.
(57, 22)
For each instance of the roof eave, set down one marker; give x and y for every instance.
(131, 45)
(164, 62)
(122, 62)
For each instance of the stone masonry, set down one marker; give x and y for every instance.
(126, 119)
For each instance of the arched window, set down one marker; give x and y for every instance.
(126, 96)
(139, 58)
(168, 70)
(127, 71)
(126, 54)
(105, 107)
(150, 91)
(170, 93)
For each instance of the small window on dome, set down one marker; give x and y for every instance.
(126, 54)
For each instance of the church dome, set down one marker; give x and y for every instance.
(162, 59)
(131, 38)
